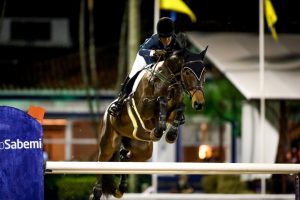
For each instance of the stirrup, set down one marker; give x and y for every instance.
(115, 109)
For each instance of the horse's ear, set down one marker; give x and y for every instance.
(182, 39)
(202, 53)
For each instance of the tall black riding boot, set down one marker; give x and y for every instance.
(115, 108)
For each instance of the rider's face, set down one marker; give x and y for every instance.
(166, 40)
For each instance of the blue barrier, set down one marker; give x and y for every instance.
(21, 156)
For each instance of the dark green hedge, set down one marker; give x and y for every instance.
(226, 184)
(70, 187)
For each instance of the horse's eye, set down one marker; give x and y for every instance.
(185, 73)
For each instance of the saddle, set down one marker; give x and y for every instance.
(135, 80)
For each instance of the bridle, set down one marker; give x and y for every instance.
(199, 85)
(173, 81)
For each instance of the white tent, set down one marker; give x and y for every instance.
(236, 55)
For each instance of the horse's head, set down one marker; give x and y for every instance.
(188, 69)
(193, 77)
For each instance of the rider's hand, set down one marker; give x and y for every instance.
(159, 53)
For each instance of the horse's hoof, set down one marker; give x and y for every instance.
(92, 197)
(171, 137)
(118, 194)
(97, 193)
(154, 136)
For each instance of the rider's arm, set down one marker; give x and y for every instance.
(148, 47)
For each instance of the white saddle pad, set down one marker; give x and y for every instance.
(137, 81)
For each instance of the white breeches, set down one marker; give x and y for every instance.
(138, 64)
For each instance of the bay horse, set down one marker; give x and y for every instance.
(154, 109)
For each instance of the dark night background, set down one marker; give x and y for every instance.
(212, 15)
(28, 69)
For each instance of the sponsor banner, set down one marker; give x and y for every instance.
(21, 156)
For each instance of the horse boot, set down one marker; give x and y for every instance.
(161, 124)
(115, 108)
(172, 132)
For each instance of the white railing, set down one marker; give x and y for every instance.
(168, 168)
(197, 196)
(181, 168)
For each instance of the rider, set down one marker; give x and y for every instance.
(152, 50)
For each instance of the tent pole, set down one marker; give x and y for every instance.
(262, 92)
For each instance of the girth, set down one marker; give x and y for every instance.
(140, 131)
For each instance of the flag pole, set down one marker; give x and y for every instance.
(262, 87)
(156, 14)
(155, 144)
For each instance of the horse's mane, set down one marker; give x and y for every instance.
(190, 60)
(185, 58)
(187, 55)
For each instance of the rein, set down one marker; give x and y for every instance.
(159, 75)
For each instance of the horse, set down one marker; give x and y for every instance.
(154, 109)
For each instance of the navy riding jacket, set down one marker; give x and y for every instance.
(153, 43)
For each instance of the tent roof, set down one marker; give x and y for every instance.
(237, 56)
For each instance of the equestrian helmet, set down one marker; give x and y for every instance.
(165, 27)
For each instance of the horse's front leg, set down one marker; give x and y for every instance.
(172, 131)
(161, 124)
(162, 114)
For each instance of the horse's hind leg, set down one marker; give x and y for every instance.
(97, 189)
(120, 189)
(124, 156)
(107, 146)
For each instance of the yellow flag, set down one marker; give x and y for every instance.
(271, 18)
(178, 6)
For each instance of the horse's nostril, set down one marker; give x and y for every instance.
(198, 106)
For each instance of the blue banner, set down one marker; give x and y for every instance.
(21, 156)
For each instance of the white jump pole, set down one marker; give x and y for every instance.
(63, 167)
(204, 196)
(168, 168)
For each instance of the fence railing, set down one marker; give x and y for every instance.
(173, 168)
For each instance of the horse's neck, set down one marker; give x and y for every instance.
(173, 65)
